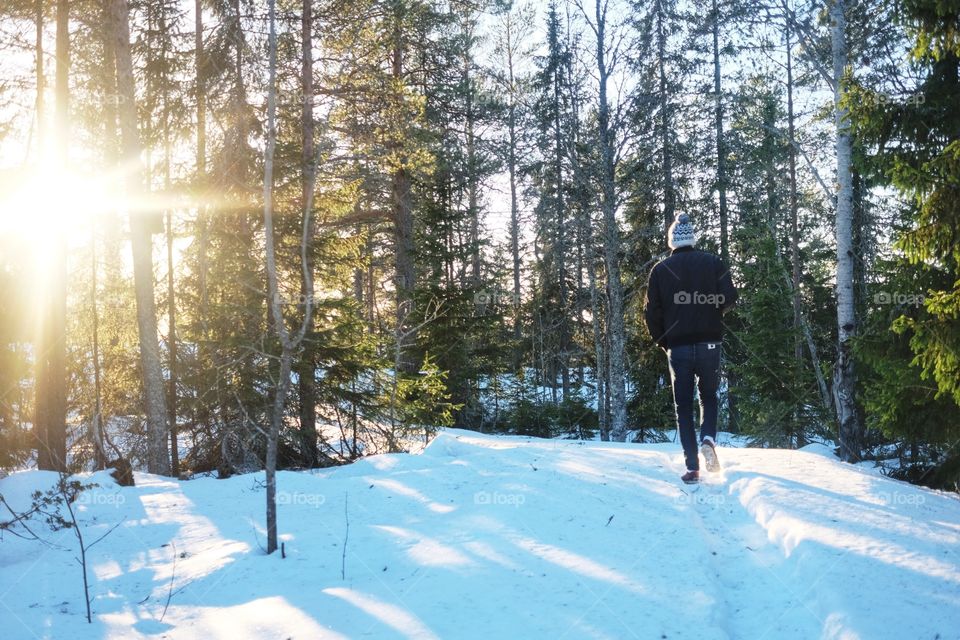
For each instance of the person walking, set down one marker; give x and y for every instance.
(687, 295)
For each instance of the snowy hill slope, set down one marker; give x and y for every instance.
(494, 537)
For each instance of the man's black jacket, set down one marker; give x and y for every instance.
(687, 295)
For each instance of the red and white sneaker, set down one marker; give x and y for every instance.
(709, 451)
(691, 477)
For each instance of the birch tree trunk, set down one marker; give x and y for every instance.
(844, 380)
(141, 242)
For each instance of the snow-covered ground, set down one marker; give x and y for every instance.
(500, 537)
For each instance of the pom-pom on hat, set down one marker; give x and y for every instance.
(681, 233)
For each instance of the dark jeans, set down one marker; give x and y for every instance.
(703, 361)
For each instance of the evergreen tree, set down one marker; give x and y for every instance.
(914, 145)
(551, 329)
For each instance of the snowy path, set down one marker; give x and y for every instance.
(487, 537)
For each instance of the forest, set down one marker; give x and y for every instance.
(238, 236)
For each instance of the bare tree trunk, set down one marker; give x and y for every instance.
(279, 397)
(172, 345)
(599, 371)
(171, 289)
(404, 268)
(41, 77)
(721, 148)
(289, 343)
(562, 358)
(50, 421)
(306, 371)
(794, 235)
(473, 179)
(158, 455)
(611, 240)
(731, 375)
(844, 380)
(100, 455)
(201, 159)
(358, 272)
(669, 190)
(512, 99)
(112, 157)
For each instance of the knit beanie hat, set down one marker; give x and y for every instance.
(681, 233)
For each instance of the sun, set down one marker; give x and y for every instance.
(37, 204)
(46, 215)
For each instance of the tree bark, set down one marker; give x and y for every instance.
(611, 241)
(794, 235)
(289, 343)
(669, 190)
(473, 180)
(41, 77)
(201, 160)
(50, 420)
(844, 380)
(514, 203)
(562, 357)
(172, 345)
(721, 148)
(402, 199)
(96, 421)
(171, 280)
(306, 371)
(158, 455)
(279, 397)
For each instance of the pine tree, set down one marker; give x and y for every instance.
(511, 46)
(914, 145)
(551, 321)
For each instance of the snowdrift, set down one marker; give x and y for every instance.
(497, 537)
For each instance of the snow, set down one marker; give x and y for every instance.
(819, 448)
(501, 537)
